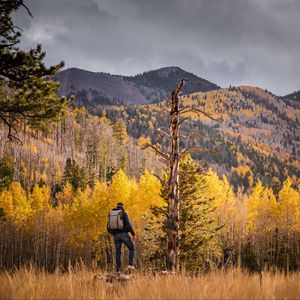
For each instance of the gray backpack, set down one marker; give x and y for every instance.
(115, 220)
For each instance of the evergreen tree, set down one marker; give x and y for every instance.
(6, 171)
(26, 88)
(197, 226)
(74, 175)
(120, 132)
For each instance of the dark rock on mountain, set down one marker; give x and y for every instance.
(92, 89)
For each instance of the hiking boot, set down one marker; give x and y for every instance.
(118, 273)
(131, 268)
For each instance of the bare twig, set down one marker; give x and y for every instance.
(198, 149)
(158, 151)
(198, 111)
(162, 181)
(161, 132)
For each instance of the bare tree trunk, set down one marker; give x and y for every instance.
(173, 196)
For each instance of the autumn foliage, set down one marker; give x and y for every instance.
(256, 230)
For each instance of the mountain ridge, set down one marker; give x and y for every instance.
(96, 88)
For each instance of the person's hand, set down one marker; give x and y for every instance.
(133, 237)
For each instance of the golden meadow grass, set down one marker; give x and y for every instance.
(29, 283)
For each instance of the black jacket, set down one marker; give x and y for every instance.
(126, 223)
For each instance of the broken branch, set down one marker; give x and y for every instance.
(158, 151)
(199, 112)
(195, 149)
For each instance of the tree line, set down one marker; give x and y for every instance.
(218, 227)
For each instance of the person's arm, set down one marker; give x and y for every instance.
(128, 224)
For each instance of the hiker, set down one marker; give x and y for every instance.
(119, 225)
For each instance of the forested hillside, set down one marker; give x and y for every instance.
(97, 147)
(92, 89)
(57, 188)
(258, 136)
(293, 99)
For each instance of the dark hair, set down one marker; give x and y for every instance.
(120, 204)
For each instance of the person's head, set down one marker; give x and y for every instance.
(120, 205)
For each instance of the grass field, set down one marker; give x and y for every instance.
(29, 283)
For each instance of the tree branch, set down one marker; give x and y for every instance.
(196, 170)
(12, 131)
(158, 151)
(163, 160)
(195, 149)
(163, 182)
(161, 132)
(198, 111)
(187, 136)
(182, 120)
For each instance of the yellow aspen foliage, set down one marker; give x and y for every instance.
(143, 141)
(6, 202)
(253, 205)
(148, 194)
(80, 218)
(132, 203)
(227, 206)
(40, 198)
(214, 187)
(267, 212)
(100, 192)
(22, 208)
(101, 204)
(224, 199)
(289, 202)
(122, 190)
(262, 210)
(150, 125)
(104, 118)
(66, 196)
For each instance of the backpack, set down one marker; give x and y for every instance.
(115, 220)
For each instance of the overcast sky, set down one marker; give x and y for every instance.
(235, 42)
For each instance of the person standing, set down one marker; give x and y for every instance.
(119, 226)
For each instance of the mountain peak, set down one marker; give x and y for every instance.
(92, 88)
(165, 71)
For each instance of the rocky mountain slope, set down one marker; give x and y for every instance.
(92, 89)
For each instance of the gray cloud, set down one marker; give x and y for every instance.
(254, 42)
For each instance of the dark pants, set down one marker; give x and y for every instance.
(119, 239)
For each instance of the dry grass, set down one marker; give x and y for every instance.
(234, 284)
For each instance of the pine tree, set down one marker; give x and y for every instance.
(198, 242)
(26, 88)
(74, 175)
(198, 229)
(120, 132)
(6, 171)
